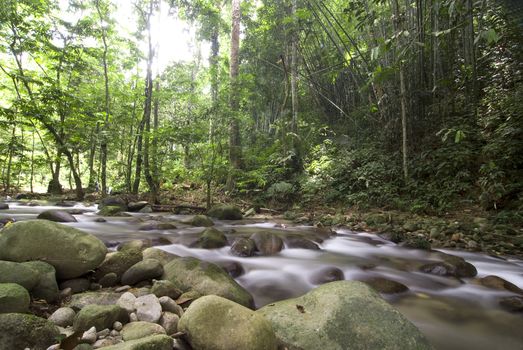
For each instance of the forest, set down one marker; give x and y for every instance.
(412, 105)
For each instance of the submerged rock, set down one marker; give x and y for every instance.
(327, 274)
(243, 247)
(342, 315)
(495, 282)
(386, 286)
(231, 326)
(512, 304)
(21, 331)
(78, 252)
(205, 278)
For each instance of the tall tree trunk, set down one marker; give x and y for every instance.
(234, 126)
(294, 69)
(10, 159)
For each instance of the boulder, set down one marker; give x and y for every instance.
(56, 216)
(21, 331)
(111, 210)
(166, 288)
(233, 268)
(4, 206)
(161, 255)
(205, 278)
(63, 317)
(156, 225)
(495, 282)
(118, 262)
(144, 270)
(99, 316)
(211, 238)
(232, 326)
(13, 298)
(148, 308)
(225, 212)
(156, 342)
(109, 280)
(512, 304)
(136, 206)
(140, 329)
(326, 275)
(169, 322)
(78, 252)
(81, 300)
(113, 201)
(342, 315)
(302, 243)
(199, 221)
(11, 272)
(243, 247)
(386, 286)
(46, 288)
(267, 243)
(126, 301)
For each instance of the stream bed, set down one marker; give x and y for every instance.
(452, 313)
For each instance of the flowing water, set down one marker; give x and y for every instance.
(454, 314)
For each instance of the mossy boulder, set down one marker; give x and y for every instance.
(119, 262)
(21, 331)
(231, 326)
(342, 315)
(110, 210)
(267, 243)
(46, 288)
(12, 272)
(81, 300)
(200, 221)
(225, 212)
(211, 238)
(161, 255)
(113, 201)
(99, 316)
(206, 278)
(144, 270)
(141, 329)
(79, 252)
(13, 298)
(243, 247)
(56, 216)
(153, 342)
(450, 266)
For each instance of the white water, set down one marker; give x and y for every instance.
(453, 314)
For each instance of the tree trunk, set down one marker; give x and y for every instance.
(294, 69)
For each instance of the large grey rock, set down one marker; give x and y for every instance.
(267, 243)
(211, 238)
(137, 206)
(225, 212)
(11, 272)
(71, 251)
(153, 342)
(144, 270)
(126, 301)
(46, 288)
(56, 216)
(140, 329)
(342, 315)
(231, 326)
(63, 317)
(21, 331)
(13, 298)
(99, 316)
(148, 308)
(205, 278)
(118, 262)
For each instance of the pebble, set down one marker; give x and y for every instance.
(103, 333)
(148, 308)
(63, 317)
(117, 326)
(169, 322)
(127, 301)
(170, 305)
(133, 317)
(122, 289)
(114, 333)
(90, 335)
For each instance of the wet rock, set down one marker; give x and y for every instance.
(99, 316)
(243, 247)
(11, 272)
(135, 244)
(459, 267)
(340, 313)
(302, 243)
(211, 238)
(65, 204)
(512, 304)
(140, 329)
(4, 206)
(169, 322)
(156, 342)
(233, 268)
(113, 201)
(386, 286)
(77, 285)
(118, 262)
(63, 317)
(79, 252)
(126, 301)
(225, 212)
(136, 206)
(21, 331)
(13, 298)
(144, 270)
(46, 288)
(495, 282)
(326, 275)
(163, 288)
(89, 336)
(245, 329)
(81, 300)
(200, 221)
(109, 280)
(100, 220)
(170, 305)
(148, 308)
(205, 278)
(111, 211)
(161, 255)
(146, 210)
(156, 225)
(267, 243)
(56, 216)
